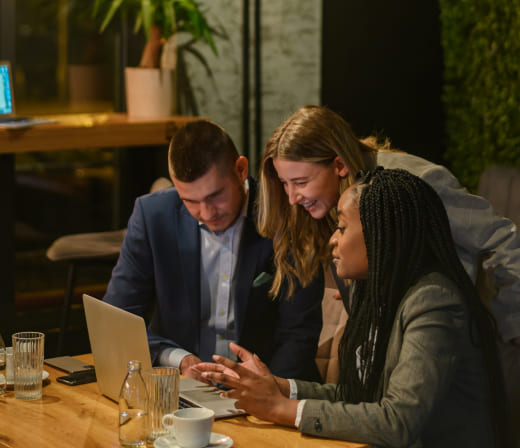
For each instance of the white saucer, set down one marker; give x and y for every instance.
(216, 439)
(45, 375)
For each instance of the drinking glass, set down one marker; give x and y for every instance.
(3, 378)
(28, 364)
(162, 384)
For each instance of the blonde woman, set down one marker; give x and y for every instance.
(313, 157)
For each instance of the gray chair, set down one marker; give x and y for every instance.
(500, 185)
(87, 248)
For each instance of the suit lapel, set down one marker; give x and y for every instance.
(251, 247)
(247, 265)
(188, 243)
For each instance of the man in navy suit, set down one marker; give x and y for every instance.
(193, 263)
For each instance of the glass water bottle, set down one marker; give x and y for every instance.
(133, 405)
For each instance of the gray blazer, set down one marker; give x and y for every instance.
(478, 232)
(434, 383)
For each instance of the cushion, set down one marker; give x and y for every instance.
(86, 245)
(500, 185)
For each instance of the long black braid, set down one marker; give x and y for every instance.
(407, 235)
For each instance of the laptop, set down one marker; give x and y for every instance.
(117, 336)
(8, 118)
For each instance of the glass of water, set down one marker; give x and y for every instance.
(28, 364)
(3, 378)
(162, 384)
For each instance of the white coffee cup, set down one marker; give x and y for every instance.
(9, 366)
(191, 427)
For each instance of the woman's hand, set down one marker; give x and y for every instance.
(256, 390)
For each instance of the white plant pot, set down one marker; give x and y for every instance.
(150, 92)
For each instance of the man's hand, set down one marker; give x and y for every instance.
(249, 360)
(187, 369)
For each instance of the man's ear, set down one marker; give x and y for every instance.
(242, 168)
(341, 168)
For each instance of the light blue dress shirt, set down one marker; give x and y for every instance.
(219, 253)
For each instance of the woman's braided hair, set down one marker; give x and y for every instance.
(407, 235)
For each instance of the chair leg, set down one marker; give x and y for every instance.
(69, 291)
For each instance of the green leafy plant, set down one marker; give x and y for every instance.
(160, 20)
(481, 44)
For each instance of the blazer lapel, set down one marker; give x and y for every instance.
(188, 243)
(252, 246)
(247, 265)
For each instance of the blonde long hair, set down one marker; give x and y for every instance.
(312, 134)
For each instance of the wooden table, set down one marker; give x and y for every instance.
(69, 132)
(78, 416)
(78, 131)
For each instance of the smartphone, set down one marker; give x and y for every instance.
(68, 364)
(220, 386)
(76, 378)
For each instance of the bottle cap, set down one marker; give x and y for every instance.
(134, 365)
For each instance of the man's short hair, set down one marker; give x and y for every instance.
(196, 147)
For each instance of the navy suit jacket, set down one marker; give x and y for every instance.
(157, 276)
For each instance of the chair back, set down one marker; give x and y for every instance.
(160, 184)
(500, 185)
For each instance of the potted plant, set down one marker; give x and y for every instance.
(151, 87)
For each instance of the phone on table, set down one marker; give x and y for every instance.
(76, 378)
(68, 364)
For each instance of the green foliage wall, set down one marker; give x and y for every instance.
(481, 97)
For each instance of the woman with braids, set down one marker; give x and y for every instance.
(418, 359)
(313, 157)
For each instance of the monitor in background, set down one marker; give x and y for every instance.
(6, 102)
(8, 118)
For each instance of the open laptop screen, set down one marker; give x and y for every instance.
(117, 336)
(7, 103)
(6, 95)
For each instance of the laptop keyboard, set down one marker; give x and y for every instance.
(13, 119)
(183, 403)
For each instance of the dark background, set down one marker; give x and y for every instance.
(382, 70)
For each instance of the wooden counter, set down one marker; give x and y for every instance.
(79, 131)
(78, 416)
